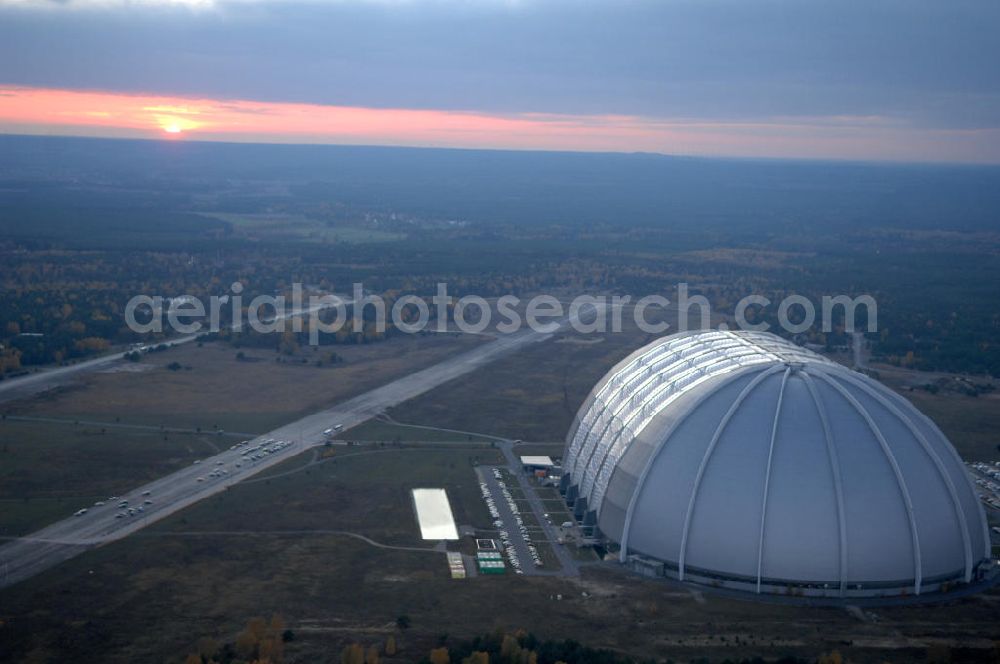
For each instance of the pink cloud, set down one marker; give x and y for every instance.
(90, 113)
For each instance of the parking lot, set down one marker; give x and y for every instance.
(513, 533)
(987, 478)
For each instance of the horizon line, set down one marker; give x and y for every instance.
(845, 161)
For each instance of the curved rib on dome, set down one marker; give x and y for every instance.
(742, 459)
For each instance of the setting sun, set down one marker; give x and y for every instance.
(173, 118)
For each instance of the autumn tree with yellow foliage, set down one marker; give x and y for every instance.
(440, 656)
(352, 654)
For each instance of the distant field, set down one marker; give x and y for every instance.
(253, 395)
(292, 227)
(971, 423)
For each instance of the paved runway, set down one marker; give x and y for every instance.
(48, 378)
(30, 555)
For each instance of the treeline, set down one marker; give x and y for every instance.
(938, 293)
(360, 325)
(523, 647)
(265, 642)
(260, 642)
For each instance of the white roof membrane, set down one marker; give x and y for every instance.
(739, 455)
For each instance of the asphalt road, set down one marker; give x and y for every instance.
(27, 556)
(48, 378)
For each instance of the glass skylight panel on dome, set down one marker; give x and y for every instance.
(605, 403)
(630, 398)
(663, 397)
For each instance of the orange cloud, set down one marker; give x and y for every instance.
(251, 120)
(71, 112)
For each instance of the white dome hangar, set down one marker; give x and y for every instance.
(738, 459)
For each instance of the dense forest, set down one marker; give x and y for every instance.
(87, 224)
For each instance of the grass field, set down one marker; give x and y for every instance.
(296, 227)
(270, 547)
(366, 489)
(380, 430)
(253, 395)
(971, 423)
(49, 470)
(532, 395)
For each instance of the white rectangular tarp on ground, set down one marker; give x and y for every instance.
(434, 514)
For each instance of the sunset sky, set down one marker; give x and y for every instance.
(903, 80)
